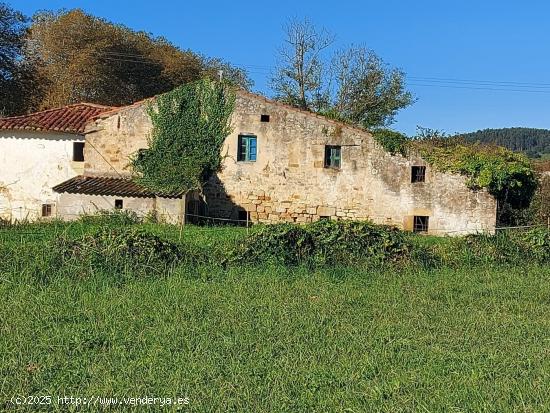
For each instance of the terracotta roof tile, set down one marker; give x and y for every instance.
(71, 119)
(99, 185)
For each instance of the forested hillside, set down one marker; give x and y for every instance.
(535, 143)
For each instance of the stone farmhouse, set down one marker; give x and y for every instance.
(280, 164)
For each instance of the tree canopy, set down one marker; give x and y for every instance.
(12, 32)
(535, 143)
(72, 56)
(354, 86)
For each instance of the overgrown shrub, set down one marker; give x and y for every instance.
(392, 141)
(118, 250)
(539, 211)
(115, 217)
(323, 243)
(537, 243)
(351, 241)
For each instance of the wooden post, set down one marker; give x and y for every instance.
(182, 219)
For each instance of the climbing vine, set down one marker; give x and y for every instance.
(392, 141)
(507, 175)
(190, 124)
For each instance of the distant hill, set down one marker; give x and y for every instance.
(535, 143)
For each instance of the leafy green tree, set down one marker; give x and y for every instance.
(79, 57)
(368, 92)
(190, 124)
(355, 86)
(84, 58)
(12, 30)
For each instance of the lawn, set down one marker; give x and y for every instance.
(277, 339)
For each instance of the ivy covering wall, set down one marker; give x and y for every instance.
(190, 124)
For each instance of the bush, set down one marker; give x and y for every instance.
(323, 243)
(392, 141)
(115, 217)
(118, 250)
(536, 242)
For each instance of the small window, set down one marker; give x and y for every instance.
(46, 210)
(324, 218)
(247, 149)
(333, 156)
(420, 223)
(418, 174)
(119, 204)
(78, 151)
(264, 118)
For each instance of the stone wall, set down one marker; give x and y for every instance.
(113, 138)
(288, 180)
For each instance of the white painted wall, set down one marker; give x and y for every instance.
(71, 206)
(31, 163)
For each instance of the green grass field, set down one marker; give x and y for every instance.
(278, 339)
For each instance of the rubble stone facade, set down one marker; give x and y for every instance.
(289, 180)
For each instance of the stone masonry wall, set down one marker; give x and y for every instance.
(288, 180)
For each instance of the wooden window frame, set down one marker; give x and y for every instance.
(333, 156)
(247, 148)
(47, 210)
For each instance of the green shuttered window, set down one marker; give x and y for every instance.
(247, 148)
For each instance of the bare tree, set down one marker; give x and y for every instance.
(299, 76)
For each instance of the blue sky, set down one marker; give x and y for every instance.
(471, 64)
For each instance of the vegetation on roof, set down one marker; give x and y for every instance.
(507, 175)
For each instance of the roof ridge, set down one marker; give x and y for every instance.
(243, 92)
(302, 111)
(116, 109)
(72, 105)
(94, 105)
